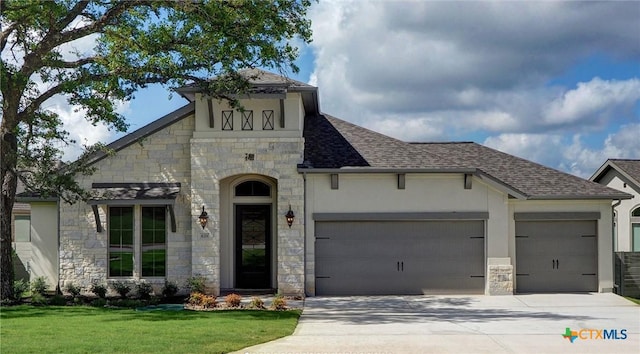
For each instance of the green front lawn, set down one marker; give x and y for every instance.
(27, 329)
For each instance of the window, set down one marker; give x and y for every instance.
(137, 248)
(227, 120)
(253, 189)
(635, 230)
(120, 241)
(247, 120)
(154, 241)
(267, 120)
(22, 224)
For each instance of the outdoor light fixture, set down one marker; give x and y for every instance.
(289, 215)
(203, 218)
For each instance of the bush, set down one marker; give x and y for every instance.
(196, 284)
(200, 299)
(99, 290)
(39, 286)
(169, 289)
(20, 287)
(58, 300)
(256, 303)
(38, 299)
(233, 300)
(72, 289)
(209, 302)
(279, 303)
(144, 290)
(196, 298)
(101, 302)
(121, 288)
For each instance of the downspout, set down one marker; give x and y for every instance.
(614, 244)
(304, 231)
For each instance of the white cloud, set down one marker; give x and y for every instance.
(593, 100)
(463, 70)
(570, 153)
(583, 161)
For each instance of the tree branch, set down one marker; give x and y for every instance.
(4, 36)
(61, 64)
(35, 104)
(33, 60)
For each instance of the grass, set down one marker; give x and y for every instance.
(27, 329)
(633, 299)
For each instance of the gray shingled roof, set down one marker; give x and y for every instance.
(332, 143)
(629, 168)
(260, 77)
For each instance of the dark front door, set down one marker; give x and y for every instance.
(253, 246)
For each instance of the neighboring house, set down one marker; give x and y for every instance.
(35, 237)
(304, 203)
(623, 175)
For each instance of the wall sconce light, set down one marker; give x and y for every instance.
(290, 216)
(203, 218)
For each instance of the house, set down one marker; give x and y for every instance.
(623, 175)
(281, 196)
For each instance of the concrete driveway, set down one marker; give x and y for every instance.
(463, 324)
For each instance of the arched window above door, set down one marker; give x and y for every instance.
(636, 212)
(252, 189)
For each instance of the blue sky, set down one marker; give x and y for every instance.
(554, 82)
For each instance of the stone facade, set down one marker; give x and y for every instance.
(160, 157)
(213, 160)
(500, 279)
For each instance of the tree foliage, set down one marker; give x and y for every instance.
(135, 44)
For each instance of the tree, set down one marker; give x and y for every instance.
(137, 43)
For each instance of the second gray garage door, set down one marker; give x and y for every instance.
(399, 257)
(556, 256)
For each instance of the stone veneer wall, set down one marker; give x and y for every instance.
(500, 279)
(212, 160)
(161, 157)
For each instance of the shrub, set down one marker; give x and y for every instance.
(20, 287)
(99, 290)
(144, 290)
(279, 303)
(72, 289)
(101, 302)
(196, 298)
(256, 303)
(209, 302)
(57, 300)
(233, 300)
(39, 286)
(169, 289)
(200, 299)
(196, 284)
(121, 288)
(37, 299)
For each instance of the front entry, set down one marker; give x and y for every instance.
(253, 246)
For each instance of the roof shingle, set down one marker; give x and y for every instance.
(334, 143)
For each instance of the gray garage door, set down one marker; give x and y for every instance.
(399, 257)
(556, 256)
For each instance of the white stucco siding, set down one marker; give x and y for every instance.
(359, 192)
(39, 255)
(293, 115)
(162, 157)
(605, 241)
(623, 224)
